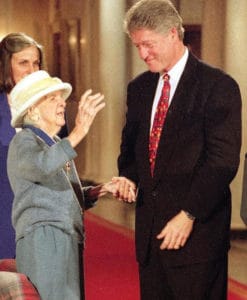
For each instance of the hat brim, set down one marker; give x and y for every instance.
(17, 120)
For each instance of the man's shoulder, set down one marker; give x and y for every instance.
(208, 71)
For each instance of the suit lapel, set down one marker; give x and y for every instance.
(181, 102)
(147, 96)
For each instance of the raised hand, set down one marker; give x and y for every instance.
(88, 107)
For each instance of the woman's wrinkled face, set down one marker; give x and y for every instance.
(51, 112)
(24, 63)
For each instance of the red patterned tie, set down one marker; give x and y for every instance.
(158, 122)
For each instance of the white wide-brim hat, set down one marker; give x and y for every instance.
(30, 90)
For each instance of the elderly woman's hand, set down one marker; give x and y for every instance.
(120, 187)
(89, 105)
(125, 189)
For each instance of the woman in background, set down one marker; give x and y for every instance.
(20, 55)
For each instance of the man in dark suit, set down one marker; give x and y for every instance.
(183, 208)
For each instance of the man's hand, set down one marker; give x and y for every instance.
(125, 189)
(176, 232)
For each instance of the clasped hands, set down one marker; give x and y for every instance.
(121, 188)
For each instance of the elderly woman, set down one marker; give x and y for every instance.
(20, 55)
(49, 200)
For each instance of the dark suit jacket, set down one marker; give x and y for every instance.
(198, 156)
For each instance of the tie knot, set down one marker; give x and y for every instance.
(166, 77)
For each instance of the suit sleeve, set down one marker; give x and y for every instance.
(126, 159)
(222, 135)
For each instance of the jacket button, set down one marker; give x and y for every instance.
(154, 193)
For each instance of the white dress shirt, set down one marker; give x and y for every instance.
(175, 74)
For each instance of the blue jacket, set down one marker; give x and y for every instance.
(7, 233)
(44, 192)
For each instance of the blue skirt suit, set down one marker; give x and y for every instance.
(7, 233)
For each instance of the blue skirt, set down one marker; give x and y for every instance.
(50, 259)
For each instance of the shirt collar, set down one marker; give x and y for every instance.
(40, 133)
(178, 69)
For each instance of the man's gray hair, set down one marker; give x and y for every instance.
(156, 15)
